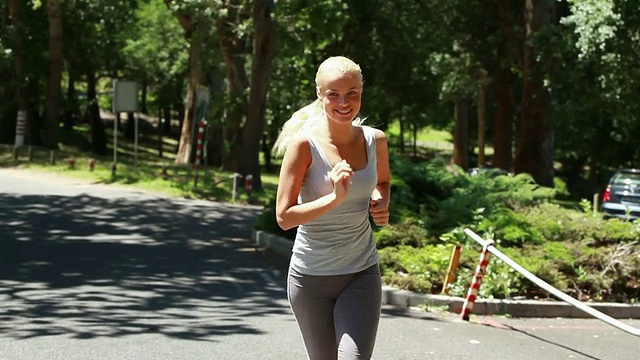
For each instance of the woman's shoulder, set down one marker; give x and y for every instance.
(375, 132)
(299, 142)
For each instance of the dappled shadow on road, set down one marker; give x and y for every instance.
(89, 267)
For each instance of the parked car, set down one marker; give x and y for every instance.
(621, 198)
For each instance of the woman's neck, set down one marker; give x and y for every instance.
(338, 134)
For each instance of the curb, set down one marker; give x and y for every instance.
(515, 308)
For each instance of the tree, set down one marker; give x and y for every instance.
(192, 18)
(53, 103)
(247, 148)
(534, 143)
(15, 12)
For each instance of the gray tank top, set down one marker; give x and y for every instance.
(341, 241)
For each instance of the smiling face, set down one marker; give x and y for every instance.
(339, 87)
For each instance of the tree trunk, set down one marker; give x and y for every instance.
(15, 12)
(98, 134)
(185, 146)
(503, 126)
(534, 147)
(129, 129)
(233, 52)
(248, 148)
(191, 33)
(461, 134)
(71, 105)
(143, 97)
(402, 124)
(482, 122)
(53, 103)
(266, 152)
(166, 126)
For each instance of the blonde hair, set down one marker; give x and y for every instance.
(304, 119)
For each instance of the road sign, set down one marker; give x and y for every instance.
(125, 96)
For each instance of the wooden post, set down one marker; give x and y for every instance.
(452, 271)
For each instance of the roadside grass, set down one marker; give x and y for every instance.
(141, 170)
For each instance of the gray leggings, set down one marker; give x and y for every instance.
(338, 315)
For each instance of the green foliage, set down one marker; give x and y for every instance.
(417, 269)
(408, 231)
(568, 248)
(595, 21)
(157, 47)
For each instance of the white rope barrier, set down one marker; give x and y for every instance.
(546, 286)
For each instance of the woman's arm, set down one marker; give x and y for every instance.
(379, 205)
(295, 163)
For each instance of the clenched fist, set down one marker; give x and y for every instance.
(379, 209)
(340, 177)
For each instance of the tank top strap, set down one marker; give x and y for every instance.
(316, 151)
(370, 138)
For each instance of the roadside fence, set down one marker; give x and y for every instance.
(487, 246)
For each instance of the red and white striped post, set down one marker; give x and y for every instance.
(248, 184)
(472, 294)
(201, 126)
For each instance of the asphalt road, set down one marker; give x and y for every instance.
(89, 271)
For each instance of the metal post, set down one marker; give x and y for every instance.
(115, 144)
(236, 186)
(546, 286)
(135, 141)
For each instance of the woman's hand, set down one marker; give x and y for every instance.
(340, 177)
(379, 209)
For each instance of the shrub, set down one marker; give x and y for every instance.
(266, 221)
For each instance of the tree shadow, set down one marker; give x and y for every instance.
(90, 267)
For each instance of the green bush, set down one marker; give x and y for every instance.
(266, 221)
(418, 269)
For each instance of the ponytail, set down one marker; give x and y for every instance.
(299, 122)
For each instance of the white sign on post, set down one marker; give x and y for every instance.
(125, 96)
(125, 99)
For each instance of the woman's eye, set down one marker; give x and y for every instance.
(352, 93)
(333, 94)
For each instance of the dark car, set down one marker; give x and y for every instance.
(621, 198)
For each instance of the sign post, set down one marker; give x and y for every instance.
(125, 99)
(21, 123)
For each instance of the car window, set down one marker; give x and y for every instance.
(627, 179)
